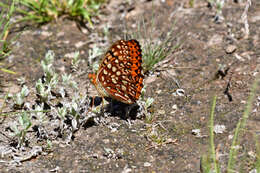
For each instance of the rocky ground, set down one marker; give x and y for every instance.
(215, 58)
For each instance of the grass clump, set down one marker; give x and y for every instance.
(156, 52)
(5, 23)
(5, 43)
(211, 163)
(241, 126)
(43, 11)
(156, 46)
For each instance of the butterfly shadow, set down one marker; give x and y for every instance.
(116, 108)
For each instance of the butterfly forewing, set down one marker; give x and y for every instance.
(120, 72)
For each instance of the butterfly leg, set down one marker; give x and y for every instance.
(93, 102)
(128, 110)
(102, 106)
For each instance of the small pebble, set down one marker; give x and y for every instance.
(231, 49)
(218, 129)
(147, 164)
(161, 112)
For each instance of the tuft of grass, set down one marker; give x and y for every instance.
(154, 53)
(155, 50)
(5, 25)
(5, 17)
(207, 161)
(240, 126)
(43, 11)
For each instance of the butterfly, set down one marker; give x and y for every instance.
(120, 74)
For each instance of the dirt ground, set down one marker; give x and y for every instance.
(208, 48)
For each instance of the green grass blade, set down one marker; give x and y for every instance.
(257, 163)
(1, 23)
(211, 127)
(241, 125)
(7, 71)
